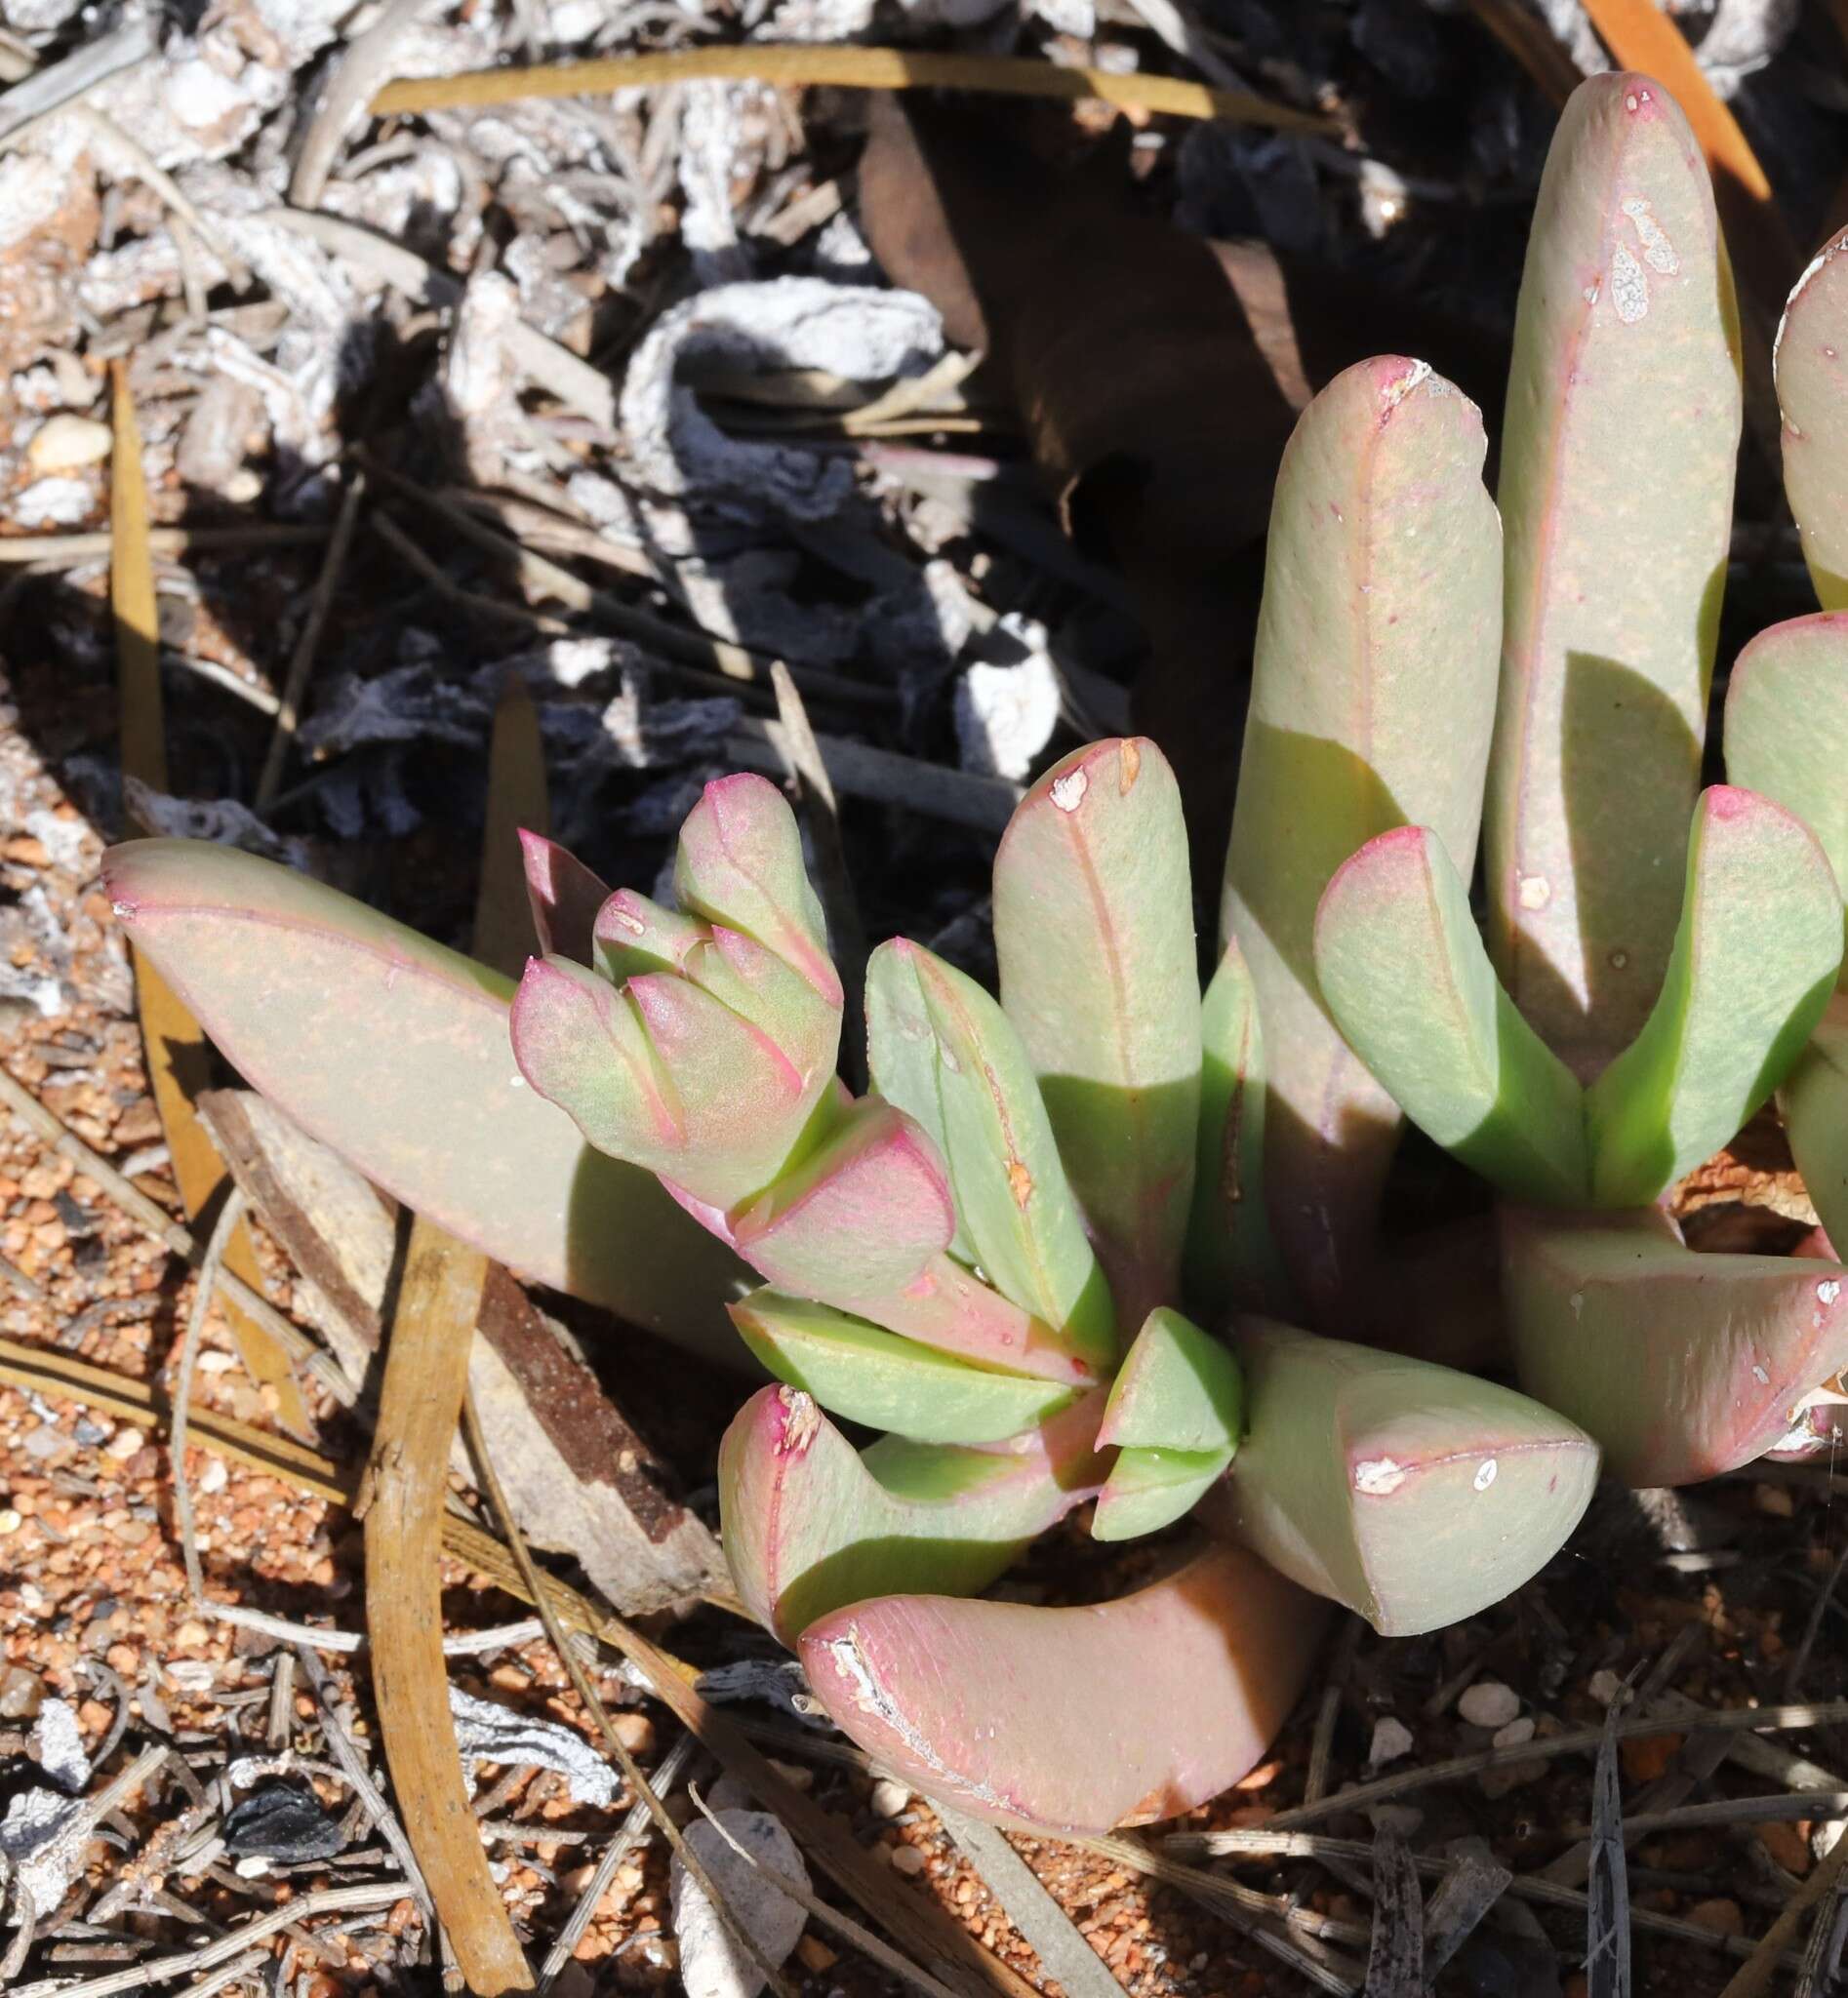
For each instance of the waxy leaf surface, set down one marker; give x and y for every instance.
(1177, 1388)
(1812, 371)
(1094, 932)
(565, 898)
(1230, 1257)
(810, 1524)
(975, 1701)
(1682, 1364)
(1405, 975)
(1622, 426)
(865, 1375)
(1373, 698)
(394, 1051)
(1411, 1494)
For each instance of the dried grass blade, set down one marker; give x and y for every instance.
(1396, 1964)
(1042, 1923)
(1607, 1905)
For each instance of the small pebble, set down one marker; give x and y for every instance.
(1605, 1685)
(1517, 1731)
(66, 444)
(1488, 1703)
(1392, 1739)
(126, 1441)
(889, 1798)
(908, 1861)
(1717, 1917)
(9, 1521)
(1775, 1499)
(20, 1692)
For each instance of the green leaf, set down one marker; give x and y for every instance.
(1404, 973)
(1230, 1257)
(1682, 1364)
(1012, 1194)
(1813, 394)
(1178, 1390)
(1092, 872)
(1755, 956)
(1786, 725)
(1373, 698)
(1814, 1101)
(1151, 1488)
(1414, 1495)
(1616, 491)
(809, 1524)
(902, 1055)
(395, 1052)
(975, 1702)
(863, 1374)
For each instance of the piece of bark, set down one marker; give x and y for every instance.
(580, 1478)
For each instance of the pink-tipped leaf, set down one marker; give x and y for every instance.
(1623, 423)
(1683, 1365)
(1786, 725)
(1414, 1495)
(1754, 960)
(863, 1374)
(394, 1051)
(565, 898)
(1006, 1711)
(1092, 871)
(984, 1109)
(1373, 698)
(809, 1523)
(1405, 975)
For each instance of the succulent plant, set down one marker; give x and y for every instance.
(1104, 1241)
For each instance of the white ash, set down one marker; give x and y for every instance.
(223, 820)
(58, 502)
(546, 300)
(1006, 711)
(859, 332)
(1076, 17)
(647, 733)
(56, 1742)
(42, 1841)
(601, 500)
(479, 376)
(488, 1732)
(573, 662)
(33, 189)
(60, 383)
(712, 1962)
(428, 190)
(841, 252)
(715, 150)
(1743, 37)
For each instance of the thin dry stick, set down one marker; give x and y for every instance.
(1037, 1918)
(138, 1977)
(846, 68)
(634, 1825)
(632, 1773)
(58, 1136)
(357, 74)
(230, 1214)
(1753, 1978)
(861, 1938)
(163, 542)
(302, 659)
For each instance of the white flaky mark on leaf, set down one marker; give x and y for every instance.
(1828, 1290)
(1578, 1306)
(1485, 1474)
(1630, 288)
(802, 1419)
(1534, 892)
(1067, 792)
(1658, 250)
(1815, 263)
(1396, 393)
(872, 1697)
(1592, 292)
(1759, 1375)
(1379, 1476)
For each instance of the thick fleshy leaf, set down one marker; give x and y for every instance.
(1373, 698)
(1812, 371)
(863, 1374)
(1786, 724)
(1616, 490)
(1012, 1194)
(1754, 960)
(740, 865)
(633, 935)
(1405, 975)
(1230, 1257)
(810, 1524)
(661, 1074)
(565, 896)
(1814, 1101)
(1151, 1488)
(902, 1055)
(1415, 1495)
(864, 1216)
(1092, 871)
(979, 1704)
(1177, 1388)
(395, 1052)
(1681, 1365)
